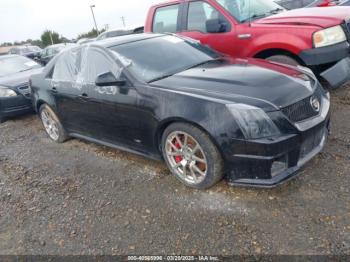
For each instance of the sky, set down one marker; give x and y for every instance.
(27, 19)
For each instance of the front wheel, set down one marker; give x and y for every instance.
(52, 124)
(191, 156)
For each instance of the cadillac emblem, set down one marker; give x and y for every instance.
(315, 104)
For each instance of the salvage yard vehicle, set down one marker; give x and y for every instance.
(205, 114)
(293, 4)
(27, 51)
(314, 37)
(50, 51)
(14, 85)
(120, 32)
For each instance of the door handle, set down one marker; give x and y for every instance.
(54, 89)
(84, 96)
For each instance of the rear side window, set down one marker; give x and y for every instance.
(165, 19)
(199, 13)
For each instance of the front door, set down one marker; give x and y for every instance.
(198, 15)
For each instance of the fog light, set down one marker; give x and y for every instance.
(279, 165)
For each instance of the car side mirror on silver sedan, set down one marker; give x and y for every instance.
(108, 79)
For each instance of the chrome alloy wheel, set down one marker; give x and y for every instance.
(186, 157)
(50, 124)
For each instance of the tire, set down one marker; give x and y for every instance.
(197, 163)
(2, 120)
(52, 124)
(283, 59)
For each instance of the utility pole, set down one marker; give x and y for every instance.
(123, 20)
(93, 16)
(51, 37)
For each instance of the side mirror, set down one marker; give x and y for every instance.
(215, 26)
(108, 79)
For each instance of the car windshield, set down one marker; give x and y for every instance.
(245, 10)
(159, 57)
(12, 65)
(25, 50)
(34, 48)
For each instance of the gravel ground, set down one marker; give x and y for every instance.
(81, 198)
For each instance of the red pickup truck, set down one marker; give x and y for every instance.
(317, 38)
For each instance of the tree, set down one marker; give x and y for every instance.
(50, 37)
(91, 34)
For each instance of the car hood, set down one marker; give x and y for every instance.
(317, 16)
(262, 84)
(17, 79)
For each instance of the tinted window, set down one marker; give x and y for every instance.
(198, 15)
(160, 56)
(12, 65)
(67, 66)
(243, 10)
(96, 62)
(165, 19)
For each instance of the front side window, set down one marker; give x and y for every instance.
(245, 10)
(165, 19)
(199, 13)
(96, 62)
(67, 66)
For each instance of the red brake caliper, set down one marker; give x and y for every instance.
(178, 159)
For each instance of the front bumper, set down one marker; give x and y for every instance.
(325, 55)
(289, 153)
(333, 63)
(338, 74)
(14, 106)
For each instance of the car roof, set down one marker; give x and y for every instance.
(120, 40)
(128, 28)
(61, 44)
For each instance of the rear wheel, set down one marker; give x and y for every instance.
(191, 156)
(283, 59)
(52, 124)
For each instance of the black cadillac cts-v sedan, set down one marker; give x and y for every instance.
(207, 116)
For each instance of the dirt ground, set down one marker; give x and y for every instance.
(81, 198)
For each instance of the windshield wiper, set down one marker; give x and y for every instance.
(25, 70)
(192, 66)
(205, 62)
(161, 77)
(255, 16)
(276, 11)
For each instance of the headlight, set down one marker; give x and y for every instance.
(329, 36)
(254, 122)
(6, 92)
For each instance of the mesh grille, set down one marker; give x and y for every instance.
(303, 109)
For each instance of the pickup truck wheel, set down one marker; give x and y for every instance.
(283, 59)
(52, 124)
(191, 156)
